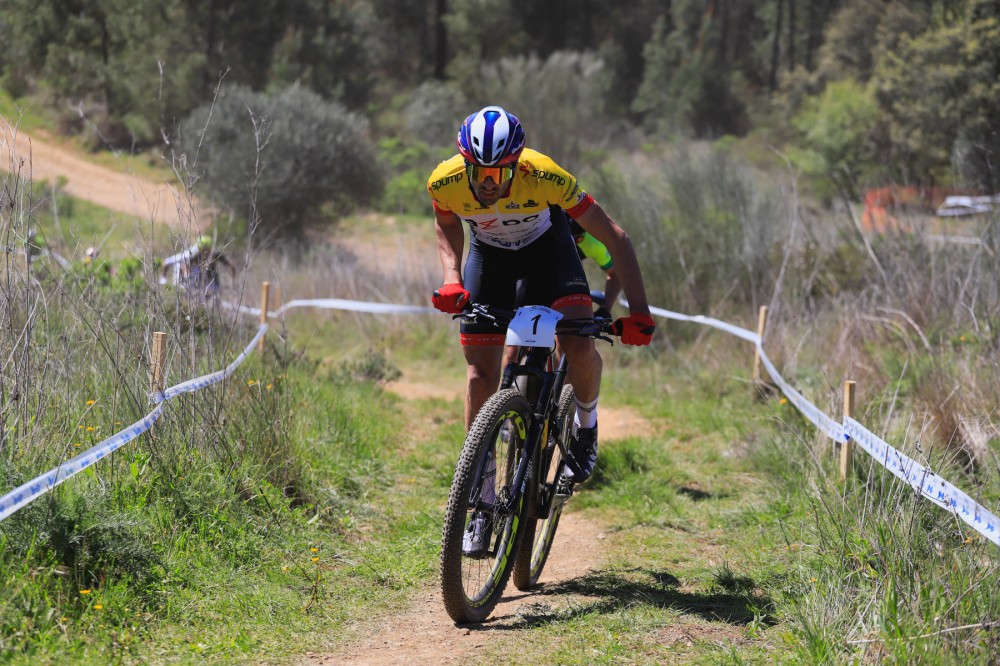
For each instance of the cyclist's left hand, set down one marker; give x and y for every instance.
(635, 329)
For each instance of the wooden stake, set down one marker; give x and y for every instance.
(847, 448)
(761, 323)
(157, 362)
(264, 290)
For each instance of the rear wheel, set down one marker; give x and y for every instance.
(482, 490)
(539, 533)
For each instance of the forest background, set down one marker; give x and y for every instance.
(734, 141)
(357, 100)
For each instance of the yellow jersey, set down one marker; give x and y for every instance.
(519, 217)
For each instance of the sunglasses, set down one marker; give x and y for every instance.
(479, 174)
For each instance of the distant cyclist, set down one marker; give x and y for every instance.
(503, 191)
(197, 267)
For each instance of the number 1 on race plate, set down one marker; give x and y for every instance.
(533, 326)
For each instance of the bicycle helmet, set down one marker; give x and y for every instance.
(491, 136)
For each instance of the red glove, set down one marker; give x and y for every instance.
(450, 298)
(636, 329)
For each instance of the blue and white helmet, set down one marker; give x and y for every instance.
(491, 137)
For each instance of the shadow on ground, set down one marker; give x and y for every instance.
(736, 602)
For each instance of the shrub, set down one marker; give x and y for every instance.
(286, 155)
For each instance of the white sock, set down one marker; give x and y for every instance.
(586, 414)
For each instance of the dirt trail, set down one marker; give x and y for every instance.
(125, 193)
(425, 633)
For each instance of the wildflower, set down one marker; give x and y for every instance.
(84, 592)
(98, 606)
(284, 568)
(90, 402)
(315, 559)
(783, 401)
(314, 550)
(76, 444)
(968, 540)
(63, 618)
(269, 387)
(251, 382)
(91, 428)
(813, 580)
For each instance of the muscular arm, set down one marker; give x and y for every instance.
(626, 266)
(451, 242)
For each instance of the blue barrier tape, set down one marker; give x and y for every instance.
(23, 494)
(334, 304)
(199, 383)
(927, 483)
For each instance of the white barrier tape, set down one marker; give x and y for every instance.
(199, 383)
(37, 487)
(924, 481)
(27, 492)
(827, 426)
(749, 336)
(335, 304)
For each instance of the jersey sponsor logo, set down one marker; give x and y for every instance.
(441, 182)
(467, 206)
(530, 203)
(487, 225)
(513, 205)
(548, 175)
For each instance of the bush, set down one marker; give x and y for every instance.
(285, 155)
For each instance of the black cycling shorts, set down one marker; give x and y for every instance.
(546, 272)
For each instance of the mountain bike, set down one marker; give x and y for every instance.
(509, 487)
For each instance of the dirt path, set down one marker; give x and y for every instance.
(122, 192)
(425, 634)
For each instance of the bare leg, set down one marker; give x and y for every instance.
(483, 377)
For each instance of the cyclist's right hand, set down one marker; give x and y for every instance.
(451, 298)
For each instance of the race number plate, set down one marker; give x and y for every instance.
(533, 326)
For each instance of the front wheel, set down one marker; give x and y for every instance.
(539, 534)
(484, 502)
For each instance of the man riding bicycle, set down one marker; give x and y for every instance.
(503, 191)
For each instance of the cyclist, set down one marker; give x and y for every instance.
(587, 247)
(502, 191)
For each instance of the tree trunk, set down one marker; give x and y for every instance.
(776, 48)
(791, 34)
(440, 39)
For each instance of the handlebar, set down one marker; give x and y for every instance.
(598, 328)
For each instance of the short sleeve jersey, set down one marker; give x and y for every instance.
(520, 217)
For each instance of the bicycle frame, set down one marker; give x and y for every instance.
(540, 386)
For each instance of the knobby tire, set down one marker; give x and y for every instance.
(471, 587)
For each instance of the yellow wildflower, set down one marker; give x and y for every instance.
(314, 550)
(90, 402)
(269, 387)
(315, 559)
(98, 606)
(84, 591)
(91, 428)
(783, 401)
(251, 382)
(284, 568)
(813, 580)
